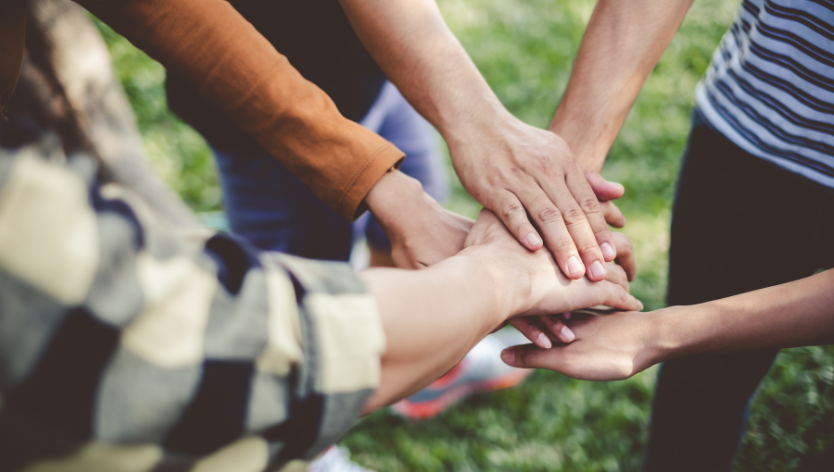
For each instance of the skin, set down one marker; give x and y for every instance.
(510, 167)
(621, 46)
(617, 346)
(541, 330)
(433, 317)
(421, 231)
(405, 211)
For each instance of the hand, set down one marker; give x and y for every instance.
(421, 231)
(607, 347)
(542, 330)
(517, 170)
(536, 283)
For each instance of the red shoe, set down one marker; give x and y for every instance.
(482, 370)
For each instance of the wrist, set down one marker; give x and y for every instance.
(678, 331)
(507, 285)
(487, 124)
(392, 193)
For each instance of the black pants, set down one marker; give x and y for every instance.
(739, 224)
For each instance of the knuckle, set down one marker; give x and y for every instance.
(544, 164)
(511, 210)
(574, 216)
(587, 246)
(563, 245)
(549, 215)
(621, 295)
(590, 205)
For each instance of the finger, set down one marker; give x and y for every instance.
(511, 212)
(603, 189)
(529, 356)
(617, 275)
(616, 296)
(612, 214)
(557, 326)
(578, 225)
(531, 331)
(625, 255)
(590, 206)
(549, 220)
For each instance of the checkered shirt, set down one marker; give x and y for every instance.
(129, 346)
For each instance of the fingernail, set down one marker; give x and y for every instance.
(543, 341)
(508, 356)
(566, 315)
(597, 269)
(568, 334)
(608, 251)
(641, 304)
(574, 266)
(533, 240)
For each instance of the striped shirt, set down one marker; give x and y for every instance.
(770, 87)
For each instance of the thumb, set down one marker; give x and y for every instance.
(604, 190)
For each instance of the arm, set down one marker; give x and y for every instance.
(622, 44)
(209, 44)
(510, 167)
(235, 68)
(617, 346)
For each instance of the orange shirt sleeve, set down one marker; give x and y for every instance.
(237, 70)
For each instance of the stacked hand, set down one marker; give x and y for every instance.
(530, 179)
(607, 346)
(547, 330)
(538, 284)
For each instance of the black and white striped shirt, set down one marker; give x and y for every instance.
(770, 87)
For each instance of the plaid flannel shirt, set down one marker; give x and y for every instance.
(127, 346)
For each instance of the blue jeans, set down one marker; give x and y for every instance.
(274, 210)
(739, 224)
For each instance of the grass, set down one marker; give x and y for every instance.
(549, 423)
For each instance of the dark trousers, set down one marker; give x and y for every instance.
(739, 224)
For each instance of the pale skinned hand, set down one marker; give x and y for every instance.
(530, 179)
(611, 346)
(540, 286)
(543, 331)
(421, 231)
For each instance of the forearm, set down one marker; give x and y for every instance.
(210, 45)
(431, 319)
(413, 45)
(799, 313)
(622, 44)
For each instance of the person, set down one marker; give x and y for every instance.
(271, 208)
(127, 345)
(754, 200)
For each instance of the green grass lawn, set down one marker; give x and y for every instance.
(549, 423)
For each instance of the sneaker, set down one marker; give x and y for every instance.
(482, 370)
(336, 459)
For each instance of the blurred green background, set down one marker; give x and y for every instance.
(549, 423)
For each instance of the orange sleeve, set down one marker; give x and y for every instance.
(235, 68)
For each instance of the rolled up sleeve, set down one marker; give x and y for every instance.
(209, 44)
